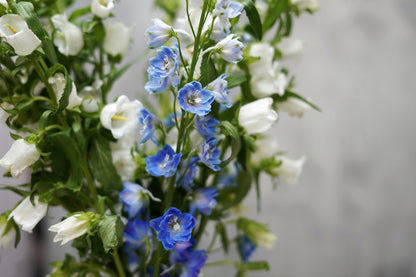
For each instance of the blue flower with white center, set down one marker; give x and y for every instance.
(135, 198)
(187, 178)
(163, 71)
(219, 88)
(158, 34)
(173, 227)
(246, 247)
(191, 261)
(210, 154)
(164, 163)
(228, 9)
(206, 125)
(192, 98)
(230, 49)
(148, 120)
(156, 85)
(204, 200)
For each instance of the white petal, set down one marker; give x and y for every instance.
(19, 157)
(27, 215)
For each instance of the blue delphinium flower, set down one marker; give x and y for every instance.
(228, 177)
(228, 9)
(230, 49)
(186, 179)
(170, 121)
(163, 71)
(210, 154)
(148, 120)
(204, 200)
(246, 247)
(206, 125)
(158, 34)
(136, 232)
(192, 98)
(173, 227)
(164, 163)
(219, 88)
(191, 261)
(135, 198)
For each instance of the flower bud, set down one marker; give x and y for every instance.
(58, 83)
(20, 156)
(257, 232)
(17, 33)
(293, 106)
(28, 215)
(289, 169)
(72, 227)
(117, 38)
(290, 47)
(257, 116)
(102, 8)
(68, 37)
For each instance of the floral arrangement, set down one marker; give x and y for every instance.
(143, 183)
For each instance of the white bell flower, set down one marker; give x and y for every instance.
(289, 169)
(70, 228)
(312, 5)
(17, 33)
(90, 97)
(265, 148)
(3, 114)
(266, 77)
(28, 215)
(4, 3)
(257, 116)
(6, 238)
(102, 8)
(293, 106)
(68, 37)
(290, 47)
(122, 158)
(117, 38)
(20, 156)
(121, 117)
(58, 83)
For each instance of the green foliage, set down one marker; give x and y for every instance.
(110, 230)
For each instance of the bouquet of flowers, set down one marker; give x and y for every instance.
(145, 183)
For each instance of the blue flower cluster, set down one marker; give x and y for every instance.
(173, 227)
(189, 259)
(163, 71)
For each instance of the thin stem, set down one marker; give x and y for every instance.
(189, 18)
(224, 262)
(90, 182)
(119, 266)
(180, 54)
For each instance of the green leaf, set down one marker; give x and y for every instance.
(79, 12)
(111, 230)
(295, 95)
(253, 18)
(101, 164)
(220, 227)
(236, 80)
(232, 132)
(273, 13)
(208, 70)
(43, 121)
(66, 159)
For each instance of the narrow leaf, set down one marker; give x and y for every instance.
(253, 18)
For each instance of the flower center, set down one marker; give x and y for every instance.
(165, 161)
(174, 224)
(119, 117)
(194, 98)
(103, 2)
(11, 28)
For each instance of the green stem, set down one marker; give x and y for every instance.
(90, 182)
(119, 266)
(201, 229)
(180, 54)
(197, 40)
(226, 262)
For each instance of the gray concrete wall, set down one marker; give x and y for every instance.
(352, 212)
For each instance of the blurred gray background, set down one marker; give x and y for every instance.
(352, 212)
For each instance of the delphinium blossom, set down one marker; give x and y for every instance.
(220, 90)
(203, 200)
(135, 198)
(164, 163)
(192, 98)
(246, 247)
(210, 154)
(188, 173)
(190, 260)
(158, 34)
(206, 125)
(173, 227)
(148, 121)
(163, 71)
